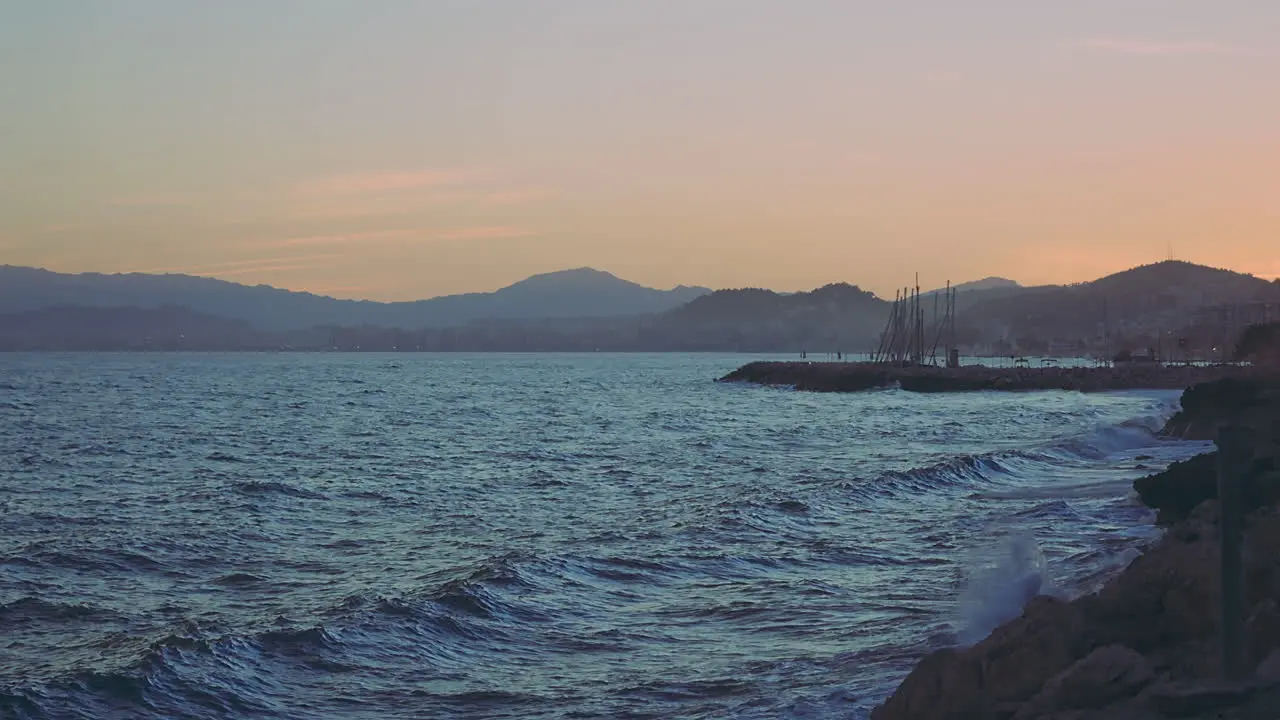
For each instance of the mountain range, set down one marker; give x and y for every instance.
(587, 309)
(583, 292)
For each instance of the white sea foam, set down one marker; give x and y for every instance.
(1004, 578)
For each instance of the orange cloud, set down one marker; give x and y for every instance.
(422, 234)
(374, 183)
(1144, 47)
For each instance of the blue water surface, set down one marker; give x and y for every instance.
(520, 536)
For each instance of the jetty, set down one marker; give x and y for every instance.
(861, 377)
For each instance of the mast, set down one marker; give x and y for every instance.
(951, 315)
(1106, 333)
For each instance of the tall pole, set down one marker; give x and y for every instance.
(951, 318)
(918, 321)
(1106, 333)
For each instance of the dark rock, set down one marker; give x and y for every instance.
(1192, 699)
(1269, 669)
(1206, 405)
(992, 677)
(1106, 675)
(1165, 597)
(1176, 491)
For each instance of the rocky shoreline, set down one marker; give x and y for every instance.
(1146, 646)
(858, 377)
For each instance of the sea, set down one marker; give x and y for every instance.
(371, 536)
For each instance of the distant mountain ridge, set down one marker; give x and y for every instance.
(582, 292)
(1161, 305)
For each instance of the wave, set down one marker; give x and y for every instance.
(29, 609)
(975, 470)
(263, 487)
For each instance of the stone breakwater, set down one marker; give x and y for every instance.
(1147, 644)
(858, 377)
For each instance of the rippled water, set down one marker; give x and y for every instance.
(541, 536)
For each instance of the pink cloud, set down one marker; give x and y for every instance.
(1144, 47)
(152, 200)
(349, 237)
(517, 197)
(416, 234)
(373, 183)
(242, 266)
(485, 233)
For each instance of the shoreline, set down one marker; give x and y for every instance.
(861, 377)
(1145, 645)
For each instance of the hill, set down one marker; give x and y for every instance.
(581, 292)
(1134, 305)
(835, 317)
(167, 328)
(985, 284)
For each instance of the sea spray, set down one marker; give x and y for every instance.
(1004, 578)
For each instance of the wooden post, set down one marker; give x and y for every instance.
(1233, 452)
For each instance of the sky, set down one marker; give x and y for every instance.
(402, 149)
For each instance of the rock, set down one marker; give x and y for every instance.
(1165, 597)
(992, 677)
(1269, 669)
(1184, 485)
(1262, 630)
(1106, 675)
(1206, 404)
(1192, 699)
(1180, 488)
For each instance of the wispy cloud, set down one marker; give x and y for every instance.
(1125, 46)
(339, 289)
(410, 235)
(265, 269)
(152, 200)
(485, 233)
(345, 238)
(236, 267)
(517, 197)
(375, 183)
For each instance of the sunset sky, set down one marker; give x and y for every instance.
(399, 149)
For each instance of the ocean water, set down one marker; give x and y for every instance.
(526, 536)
